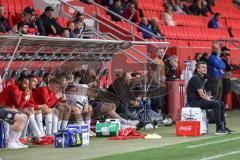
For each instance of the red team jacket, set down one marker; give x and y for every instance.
(13, 97)
(31, 103)
(43, 95)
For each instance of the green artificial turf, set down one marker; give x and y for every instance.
(168, 147)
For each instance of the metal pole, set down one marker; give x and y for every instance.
(14, 52)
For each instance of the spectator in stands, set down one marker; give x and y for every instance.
(131, 13)
(168, 18)
(79, 28)
(78, 16)
(22, 28)
(171, 65)
(176, 6)
(197, 97)
(66, 33)
(199, 8)
(34, 23)
(71, 27)
(4, 23)
(117, 8)
(214, 22)
(49, 22)
(75, 16)
(197, 57)
(215, 72)
(106, 3)
(237, 2)
(136, 6)
(210, 3)
(155, 29)
(146, 28)
(227, 74)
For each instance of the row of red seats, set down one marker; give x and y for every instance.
(155, 5)
(196, 21)
(15, 6)
(224, 2)
(62, 21)
(236, 33)
(227, 12)
(184, 20)
(235, 24)
(191, 33)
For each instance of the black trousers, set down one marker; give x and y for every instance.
(215, 85)
(226, 89)
(218, 109)
(126, 111)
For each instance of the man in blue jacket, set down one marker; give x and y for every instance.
(214, 22)
(147, 27)
(215, 72)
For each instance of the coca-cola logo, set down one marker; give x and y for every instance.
(185, 128)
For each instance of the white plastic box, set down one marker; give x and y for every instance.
(196, 114)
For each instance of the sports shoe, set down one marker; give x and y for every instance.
(132, 122)
(229, 130)
(23, 141)
(221, 131)
(167, 122)
(149, 126)
(22, 145)
(14, 145)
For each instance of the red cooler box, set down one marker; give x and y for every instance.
(175, 98)
(187, 128)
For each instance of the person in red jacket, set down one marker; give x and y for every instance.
(131, 13)
(16, 95)
(29, 109)
(50, 96)
(13, 98)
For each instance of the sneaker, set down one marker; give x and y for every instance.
(167, 122)
(14, 145)
(22, 145)
(23, 141)
(229, 130)
(221, 132)
(132, 122)
(149, 126)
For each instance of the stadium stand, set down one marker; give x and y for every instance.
(190, 35)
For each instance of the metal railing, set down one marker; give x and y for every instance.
(126, 20)
(116, 38)
(109, 11)
(92, 17)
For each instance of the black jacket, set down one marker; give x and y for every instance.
(47, 22)
(4, 25)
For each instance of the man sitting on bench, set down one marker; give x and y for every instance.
(197, 97)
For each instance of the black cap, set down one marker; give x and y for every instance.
(225, 49)
(49, 8)
(28, 10)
